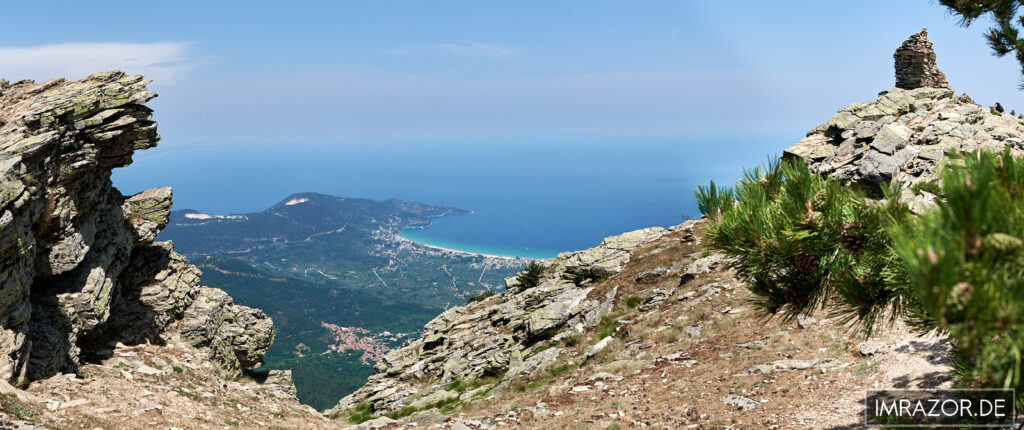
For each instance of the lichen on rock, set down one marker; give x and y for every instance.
(907, 133)
(494, 337)
(78, 266)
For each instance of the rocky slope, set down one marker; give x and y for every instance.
(658, 332)
(79, 271)
(649, 329)
(496, 336)
(610, 326)
(907, 132)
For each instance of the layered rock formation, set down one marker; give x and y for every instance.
(78, 266)
(915, 64)
(493, 338)
(905, 134)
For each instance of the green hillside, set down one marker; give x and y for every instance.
(327, 268)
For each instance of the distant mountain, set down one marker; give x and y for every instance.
(297, 218)
(340, 284)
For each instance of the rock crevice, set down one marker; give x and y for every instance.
(78, 266)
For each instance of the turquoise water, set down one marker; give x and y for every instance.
(439, 226)
(530, 199)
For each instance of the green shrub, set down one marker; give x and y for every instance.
(457, 386)
(530, 277)
(965, 261)
(560, 370)
(10, 405)
(930, 187)
(801, 240)
(480, 297)
(570, 341)
(633, 301)
(402, 413)
(361, 414)
(606, 327)
(714, 201)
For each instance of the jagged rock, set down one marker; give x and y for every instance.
(236, 336)
(606, 259)
(148, 212)
(754, 344)
(651, 299)
(374, 424)
(155, 290)
(530, 365)
(906, 133)
(740, 402)
(279, 382)
(77, 265)
(488, 338)
(706, 293)
(64, 233)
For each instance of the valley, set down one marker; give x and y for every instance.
(340, 284)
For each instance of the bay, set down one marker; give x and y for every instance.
(530, 199)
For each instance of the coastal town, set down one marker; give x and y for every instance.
(373, 345)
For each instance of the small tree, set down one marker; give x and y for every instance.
(965, 261)
(530, 277)
(958, 268)
(802, 241)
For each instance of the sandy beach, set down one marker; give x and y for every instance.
(461, 252)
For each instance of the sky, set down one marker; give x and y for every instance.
(348, 72)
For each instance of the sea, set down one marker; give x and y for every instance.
(531, 199)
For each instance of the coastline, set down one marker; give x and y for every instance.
(462, 252)
(452, 249)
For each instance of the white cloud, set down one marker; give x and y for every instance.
(164, 62)
(461, 49)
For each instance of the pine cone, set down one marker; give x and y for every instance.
(819, 200)
(816, 220)
(805, 261)
(796, 294)
(853, 239)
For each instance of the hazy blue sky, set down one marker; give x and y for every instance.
(346, 71)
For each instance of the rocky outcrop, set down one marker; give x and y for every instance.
(915, 64)
(906, 134)
(78, 266)
(148, 212)
(497, 337)
(235, 336)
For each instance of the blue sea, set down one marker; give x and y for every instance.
(529, 199)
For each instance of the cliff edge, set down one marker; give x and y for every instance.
(79, 271)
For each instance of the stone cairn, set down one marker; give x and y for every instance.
(915, 64)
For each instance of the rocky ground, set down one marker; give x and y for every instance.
(160, 387)
(679, 346)
(649, 329)
(692, 353)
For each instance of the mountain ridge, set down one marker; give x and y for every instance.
(651, 328)
(319, 213)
